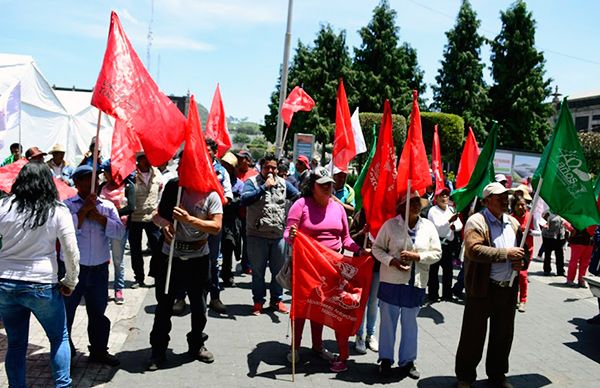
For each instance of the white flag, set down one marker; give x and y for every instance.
(359, 139)
(10, 108)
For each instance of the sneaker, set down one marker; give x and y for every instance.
(257, 309)
(204, 355)
(296, 356)
(104, 358)
(522, 307)
(338, 366)
(385, 367)
(372, 343)
(179, 307)
(280, 307)
(119, 297)
(582, 284)
(217, 306)
(411, 371)
(359, 345)
(324, 354)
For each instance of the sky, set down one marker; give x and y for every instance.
(239, 43)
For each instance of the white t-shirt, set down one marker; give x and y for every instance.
(30, 254)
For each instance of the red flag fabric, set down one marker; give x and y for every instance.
(413, 162)
(468, 159)
(328, 287)
(125, 90)
(344, 147)
(9, 173)
(216, 124)
(297, 100)
(125, 145)
(379, 188)
(196, 171)
(436, 161)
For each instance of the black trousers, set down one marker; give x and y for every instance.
(135, 245)
(554, 245)
(433, 284)
(499, 308)
(193, 275)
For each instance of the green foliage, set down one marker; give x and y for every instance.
(520, 88)
(590, 141)
(246, 127)
(451, 129)
(460, 87)
(385, 69)
(241, 138)
(259, 141)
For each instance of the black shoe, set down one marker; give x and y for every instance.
(217, 306)
(449, 298)
(138, 284)
(104, 358)
(229, 282)
(155, 363)
(411, 371)
(385, 368)
(179, 307)
(204, 355)
(433, 299)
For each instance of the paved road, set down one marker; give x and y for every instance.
(553, 346)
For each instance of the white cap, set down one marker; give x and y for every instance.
(323, 176)
(493, 188)
(500, 178)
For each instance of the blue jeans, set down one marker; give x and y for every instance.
(263, 252)
(216, 258)
(371, 310)
(93, 285)
(409, 331)
(117, 248)
(18, 299)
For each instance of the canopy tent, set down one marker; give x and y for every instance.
(48, 116)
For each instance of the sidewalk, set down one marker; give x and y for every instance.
(553, 346)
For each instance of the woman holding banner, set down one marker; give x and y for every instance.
(324, 219)
(405, 255)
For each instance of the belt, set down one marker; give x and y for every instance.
(189, 245)
(500, 283)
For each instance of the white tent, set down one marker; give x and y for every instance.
(49, 117)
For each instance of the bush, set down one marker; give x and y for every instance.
(590, 141)
(368, 120)
(451, 129)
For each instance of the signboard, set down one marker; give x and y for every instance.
(517, 166)
(304, 144)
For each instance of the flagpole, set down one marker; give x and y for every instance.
(172, 246)
(407, 204)
(284, 79)
(293, 318)
(283, 141)
(536, 198)
(95, 152)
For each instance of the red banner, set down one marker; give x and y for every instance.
(328, 287)
(9, 173)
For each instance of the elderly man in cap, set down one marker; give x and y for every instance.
(61, 169)
(96, 222)
(302, 170)
(34, 154)
(492, 255)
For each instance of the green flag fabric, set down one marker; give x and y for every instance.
(483, 173)
(361, 177)
(567, 186)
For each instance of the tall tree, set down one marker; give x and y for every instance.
(385, 68)
(317, 70)
(460, 87)
(520, 88)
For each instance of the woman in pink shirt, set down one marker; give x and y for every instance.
(324, 219)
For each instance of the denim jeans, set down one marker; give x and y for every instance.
(18, 299)
(117, 248)
(263, 252)
(371, 310)
(409, 331)
(216, 258)
(93, 285)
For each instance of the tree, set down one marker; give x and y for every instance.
(520, 88)
(460, 87)
(385, 69)
(241, 138)
(317, 70)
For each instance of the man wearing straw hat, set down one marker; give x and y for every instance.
(60, 168)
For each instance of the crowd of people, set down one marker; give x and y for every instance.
(69, 246)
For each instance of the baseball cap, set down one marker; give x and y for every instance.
(244, 154)
(323, 175)
(494, 188)
(81, 171)
(500, 178)
(304, 160)
(442, 190)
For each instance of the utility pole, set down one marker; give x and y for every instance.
(284, 77)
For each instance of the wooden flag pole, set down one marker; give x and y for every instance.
(407, 205)
(536, 198)
(94, 153)
(172, 246)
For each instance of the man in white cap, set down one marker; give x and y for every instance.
(491, 254)
(501, 178)
(60, 168)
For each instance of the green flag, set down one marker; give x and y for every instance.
(483, 173)
(361, 177)
(567, 187)
(597, 186)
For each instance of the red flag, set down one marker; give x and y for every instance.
(196, 171)
(125, 145)
(297, 100)
(413, 162)
(344, 147)
(125, 90)
(216, 124)
(436, 161)
(9, 173)
(468, 160)
(327, 287)
(379, 188)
